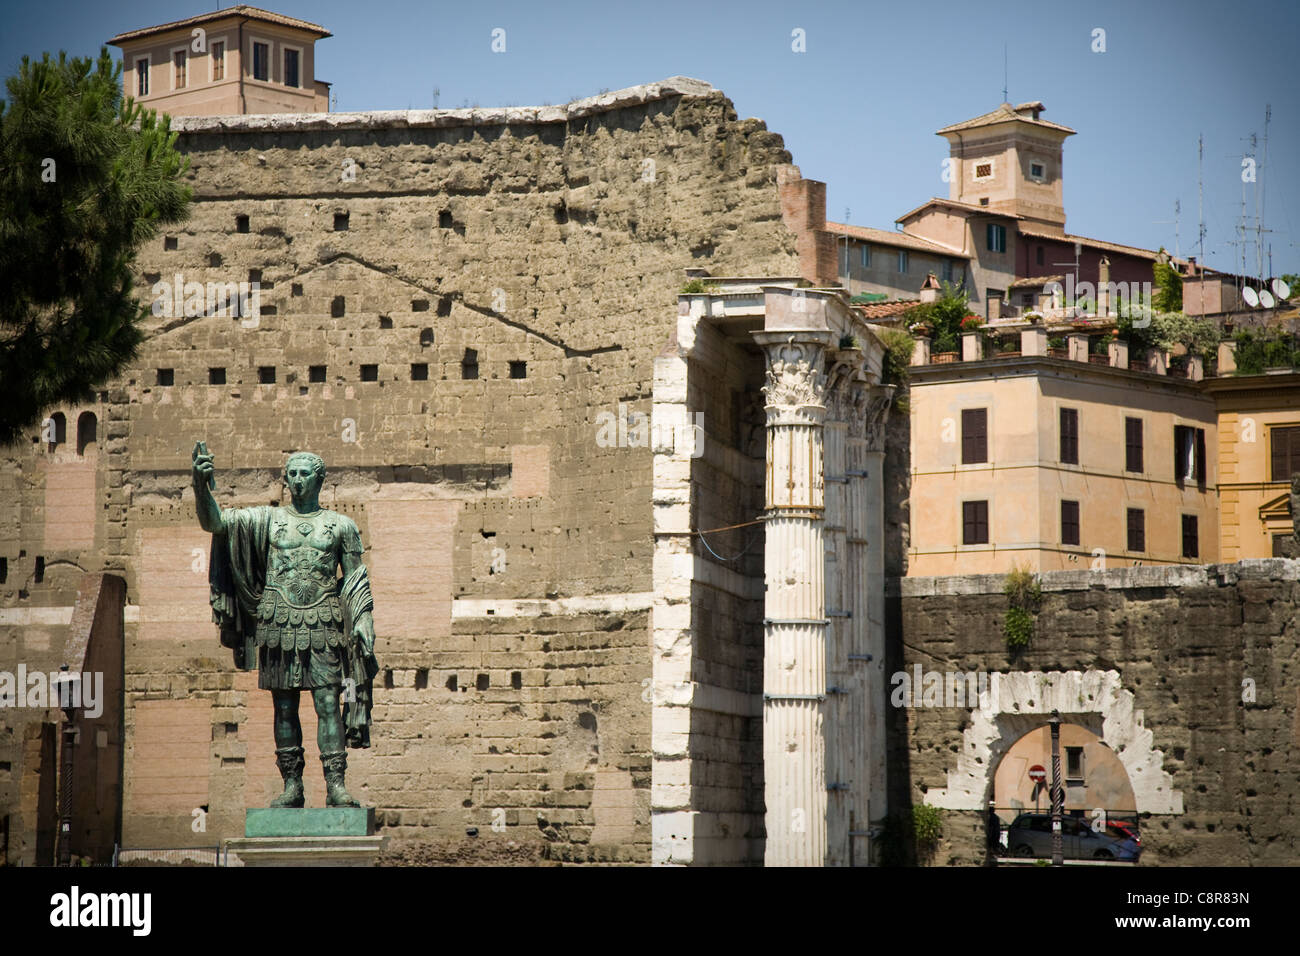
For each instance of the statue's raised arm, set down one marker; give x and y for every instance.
(204, 483)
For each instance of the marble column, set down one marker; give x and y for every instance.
(867, 471)
(794, 651)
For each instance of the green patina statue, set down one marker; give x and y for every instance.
(283, 609)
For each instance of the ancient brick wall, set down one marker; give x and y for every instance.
(1203, 704)
(448, 302)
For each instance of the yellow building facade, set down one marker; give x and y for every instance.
(1057, 464)
(1259, 450)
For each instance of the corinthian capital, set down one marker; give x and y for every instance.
(871, 414)
(796, 372)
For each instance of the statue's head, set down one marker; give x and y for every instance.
(304, 473)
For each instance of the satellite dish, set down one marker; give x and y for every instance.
(1266, 298)
(1251, 296)
(1281, 289)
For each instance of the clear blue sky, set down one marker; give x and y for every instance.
(860, 107)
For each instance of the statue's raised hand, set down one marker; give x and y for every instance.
(202, 466)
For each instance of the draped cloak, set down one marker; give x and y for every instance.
(237, 577)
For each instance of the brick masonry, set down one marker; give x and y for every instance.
(448, 301)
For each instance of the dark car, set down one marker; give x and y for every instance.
(1031, 836)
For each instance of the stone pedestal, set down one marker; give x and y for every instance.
(333, 836)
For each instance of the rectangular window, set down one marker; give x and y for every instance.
(261, 61)
(1133, 444)
(1285, 450)
(178, 70)
(983, 170)
(996, 237)
(1074, 764)
(945, 272)
(866, 256)
(974, 522)
(1037, 170)
(1038, 256)
(1191, 537)
(1280, 545)
(1070, 436)
(291, 68)
(1137, 529)
(974, 435)
(1069, 522)
(142, 76)
(218, 60)
(1189, 454)
(902, 260)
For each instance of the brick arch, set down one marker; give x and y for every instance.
(1015, 703)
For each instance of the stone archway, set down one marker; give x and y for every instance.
(1015, 703)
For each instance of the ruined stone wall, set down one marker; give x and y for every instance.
(1175, 656)
(448, 302)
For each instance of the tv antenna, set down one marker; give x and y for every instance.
(1178, 211)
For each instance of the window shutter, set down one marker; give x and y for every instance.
(1191, 542)
(1279, 454)
(1069, 522)
(1201, 472)
(1070, 436)
(1136, 529)
(1133, 444)
(974, 436)
(1180, 453)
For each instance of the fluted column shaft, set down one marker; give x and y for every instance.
(794, 652)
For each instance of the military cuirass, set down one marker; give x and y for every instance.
(303, 557)
(301, 593)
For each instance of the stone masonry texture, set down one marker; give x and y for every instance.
(1183, 641)
(448, 302)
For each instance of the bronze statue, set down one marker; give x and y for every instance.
(283, 609)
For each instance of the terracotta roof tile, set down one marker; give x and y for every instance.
(1091, 243)
(1006, 113)
(961, 207)
(886, 310)
(241, 10)
(887, 237)
(1030, 281)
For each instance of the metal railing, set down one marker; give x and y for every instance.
(171, 856)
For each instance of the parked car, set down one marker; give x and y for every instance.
(1031, 836)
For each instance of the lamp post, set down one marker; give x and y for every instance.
(69, 698)
(1054, 722)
